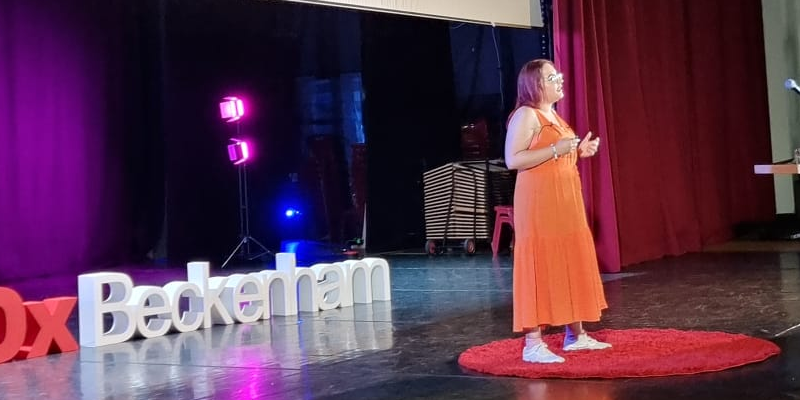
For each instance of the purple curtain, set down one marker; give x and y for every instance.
(61, 188)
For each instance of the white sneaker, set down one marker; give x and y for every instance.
(540, 354)
(584, 342)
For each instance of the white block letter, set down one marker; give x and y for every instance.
(191, 319)
(242, 289)
(379, 278)
(333, 286)
(151, 301)
(280, 294)
(213, 309)
(307, 290)
(92, 307)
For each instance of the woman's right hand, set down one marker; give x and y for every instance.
(567, 145)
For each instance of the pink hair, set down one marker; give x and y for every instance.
(529, 83)
(530, 90)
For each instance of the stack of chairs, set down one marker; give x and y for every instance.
(459, 200)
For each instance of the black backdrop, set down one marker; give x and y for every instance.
(214, 49)
(210, 51)
(410, 122)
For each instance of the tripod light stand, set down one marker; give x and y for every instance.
(239, 154)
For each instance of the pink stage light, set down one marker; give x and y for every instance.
(238, 151)
(231, 109)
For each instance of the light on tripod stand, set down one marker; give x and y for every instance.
(231, 109)
(238, 151)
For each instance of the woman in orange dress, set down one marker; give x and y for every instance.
(556, 276)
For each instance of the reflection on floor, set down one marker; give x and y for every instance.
(407, 348)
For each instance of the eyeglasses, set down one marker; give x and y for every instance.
(557, 77)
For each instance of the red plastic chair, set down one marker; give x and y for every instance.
(502, 215)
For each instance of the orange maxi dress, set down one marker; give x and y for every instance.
(556, 276)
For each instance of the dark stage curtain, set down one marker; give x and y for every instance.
(215, 49)
(676, 89)
(75, 153)
(410, 122)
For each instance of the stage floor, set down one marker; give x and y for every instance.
(408, 348)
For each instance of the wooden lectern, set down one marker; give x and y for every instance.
(777, 169)
(785, 226)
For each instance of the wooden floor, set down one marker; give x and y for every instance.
(407, 348)
(755, 246)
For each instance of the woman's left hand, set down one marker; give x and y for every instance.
(588, 146)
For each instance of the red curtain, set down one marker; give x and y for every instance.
(676, 89)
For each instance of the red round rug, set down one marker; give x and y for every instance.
(635, 353)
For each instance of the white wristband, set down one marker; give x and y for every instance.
(555, 153)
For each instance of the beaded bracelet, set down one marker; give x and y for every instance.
(555, 153)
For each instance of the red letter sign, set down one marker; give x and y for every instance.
(12, 323)
(47, 324)
(34, 328)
